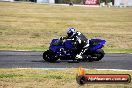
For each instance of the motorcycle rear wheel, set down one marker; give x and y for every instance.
(99, 54)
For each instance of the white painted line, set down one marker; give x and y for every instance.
(114, 69)
(74, 68)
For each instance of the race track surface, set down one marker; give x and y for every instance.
(26, 59)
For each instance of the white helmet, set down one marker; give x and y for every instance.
(71, 32)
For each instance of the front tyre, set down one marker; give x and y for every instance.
(49, 56)
(46, 55)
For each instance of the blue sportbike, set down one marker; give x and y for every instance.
(68, 49)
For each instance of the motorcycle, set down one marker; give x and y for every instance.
(67, 50)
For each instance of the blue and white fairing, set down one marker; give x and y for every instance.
(96, 44)
(58, 46)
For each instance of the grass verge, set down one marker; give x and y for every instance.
(30, 26)
(33, 78)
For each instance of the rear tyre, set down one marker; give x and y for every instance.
(49, 56)
(88, 58)
(99, 54)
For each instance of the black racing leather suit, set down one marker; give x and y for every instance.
(81, 42)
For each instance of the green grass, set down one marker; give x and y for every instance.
(118, 50)
(25, 26)
(31, 78)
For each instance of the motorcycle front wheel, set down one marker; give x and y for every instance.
(49, 56)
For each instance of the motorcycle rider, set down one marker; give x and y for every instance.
(79, 39)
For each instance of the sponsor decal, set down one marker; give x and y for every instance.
(91, 2)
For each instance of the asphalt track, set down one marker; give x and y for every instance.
(26, 59)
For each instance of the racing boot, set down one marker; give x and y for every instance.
(78, 56)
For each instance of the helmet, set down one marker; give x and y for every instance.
(71, 32)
